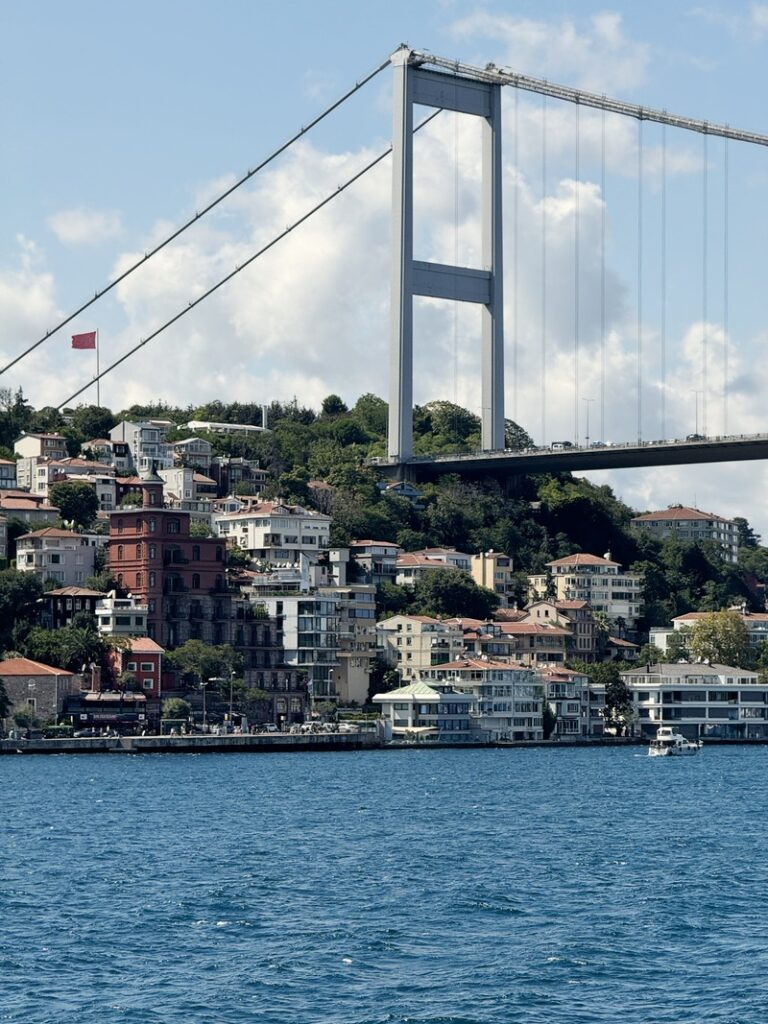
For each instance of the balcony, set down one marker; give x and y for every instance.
(174, 558)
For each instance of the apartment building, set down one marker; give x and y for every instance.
(587, 640)
(691, 524)
(578, 712)
(41, 446)
(32, 509)
(427, 713)
(116, 454)
(699, 700)
(507, 699)
(598, 581)
(146, 443)
(58, 607)
(377, 559)
(8, 475)
(756, 624)
(194, 451)
(413, 565)
(121, 616)
(413, 643)
(273, 531)
(495, 571)
(60, 555)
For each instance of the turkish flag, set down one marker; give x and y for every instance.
(84, 340)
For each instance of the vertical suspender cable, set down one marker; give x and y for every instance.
(602, 278)
(455, 255)
(663, 331)
(515, 235)
(543, 269)
(576, 285)
(704, 275)
(725, 288)
(639, 278)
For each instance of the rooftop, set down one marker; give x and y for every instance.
(27, 667)
(677, 512)
(582, 559)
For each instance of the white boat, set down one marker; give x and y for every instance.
(672, 744)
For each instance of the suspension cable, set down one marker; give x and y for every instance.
(201, 213)
(639, 280)
(515, 236)
(704, 275)
(576, 281)
(241, 266)
(663, 331)
(543, 269)
(602, 277)
(725, 287)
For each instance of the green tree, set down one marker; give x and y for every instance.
(548, 719)
(19, 594)
(5, 702)
(199, 662)
(197, 528)
(92, 421)
(131, 500)
(678, 645)
(76, 500)
(451, 592)
(333, 406)
(722, 638)
(175, 707)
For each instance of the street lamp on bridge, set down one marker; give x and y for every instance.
(587, 401)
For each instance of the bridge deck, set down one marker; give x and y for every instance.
(741, 448)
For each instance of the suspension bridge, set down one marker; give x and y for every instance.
(425, 80)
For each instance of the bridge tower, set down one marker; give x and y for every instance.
(467, 95)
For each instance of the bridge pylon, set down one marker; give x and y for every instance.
(467, 95)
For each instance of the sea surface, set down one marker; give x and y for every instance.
(450, 886)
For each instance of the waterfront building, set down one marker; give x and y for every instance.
(495, 571)
(421, 712)
(179, 577)
(507, 699)
(598, 581)
(699, 700)
(412, 643)
(61, 555)
(691, 524)
(577, 711)
(307, 626)
(143, 658)
(37, 688)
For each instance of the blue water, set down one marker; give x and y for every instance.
(452, 886)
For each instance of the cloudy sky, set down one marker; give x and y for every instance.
(120, 121)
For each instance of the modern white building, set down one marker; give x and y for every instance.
(121, 616)
(307, 627)
(413, 643)
(598, 581)
(699, 700)
(420, 712)
(756, 624)
(146, 442)
(276, 532)
(507, 699)
(60, 555)
(226, 428)
(691, 524)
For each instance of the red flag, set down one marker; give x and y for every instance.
(84, 340)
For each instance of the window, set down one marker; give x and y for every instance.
(147, 666)
(131, 666)
(151, 608)
(139, 551)
(173, 526)
(147, 684)
(119, 552)
(195, 552)
(152, 550)
(119, 525)
(152, 525)
(195, 580)
(32, 703)
(122, 620)
(218, 553)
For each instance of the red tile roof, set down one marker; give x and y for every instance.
(582, 559)
(27, 667)
(677, 512)
(74, 592)
(144, 645)
(51, 531)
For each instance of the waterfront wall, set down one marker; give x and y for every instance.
(195, 744)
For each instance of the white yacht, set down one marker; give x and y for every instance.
(672, 744)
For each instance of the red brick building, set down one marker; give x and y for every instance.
(144, 658)
(180, 578)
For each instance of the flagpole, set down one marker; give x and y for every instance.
(98, 398)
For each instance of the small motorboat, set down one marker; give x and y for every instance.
(672, 744)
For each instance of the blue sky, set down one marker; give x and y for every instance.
(119, 119)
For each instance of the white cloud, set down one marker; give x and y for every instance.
(81, 226)
(598, 57)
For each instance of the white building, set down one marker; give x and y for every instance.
(699, 700)
(413, 565)
(756, 624)
(60, 555)
(420, 712)
(146, 442)
(691, 524)
(413, 643)
(377, 559)
(114, 453)
(276, 532)
(194, 451)
(507, 699)
(598, 581)
(121, 616)
(46, 446)
(226, 428)
(307, 626)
